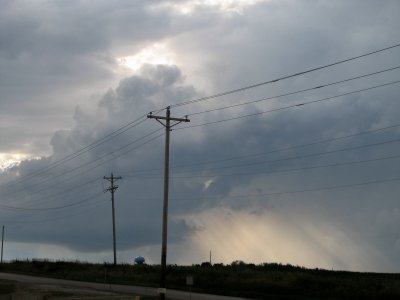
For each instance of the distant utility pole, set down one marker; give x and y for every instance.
(112, 189)
(2, 243)
(167, 124)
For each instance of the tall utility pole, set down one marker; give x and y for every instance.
(2, 243)
(167, 124)
(112, 189)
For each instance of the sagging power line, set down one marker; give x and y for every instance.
(49, 208)
(288, 106)
(143, 171)
(75, 154)
(294, 92)
(264, 172)
(284, 77)
(284, 192)
(101, 161)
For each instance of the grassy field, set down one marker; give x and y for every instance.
(272, 281)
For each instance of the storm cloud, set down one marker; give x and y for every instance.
(308, 184)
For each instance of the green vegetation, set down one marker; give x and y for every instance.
(274, 281)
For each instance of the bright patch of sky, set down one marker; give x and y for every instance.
(8, 160)
(257, 237)
(156, 54)
(224, 6)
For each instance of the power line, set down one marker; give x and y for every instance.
(317, 189)
(113, 158)
(98, 165)
(274, 150)
(293, 93)
(110, 153)
(332, 187)
(290, 158)
(53, 196)
(85, 184)
(286, 107)
(291, 170)
(303, 156)
(85, 149)
(49, 208)
(103, 157)
(81, 211)
(282, 78)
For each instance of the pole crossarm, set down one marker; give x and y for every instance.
(168, 119)
(112, 179)
(150, 116)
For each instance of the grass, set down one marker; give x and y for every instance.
(6, 287)
(274, 281)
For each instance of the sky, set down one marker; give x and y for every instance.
(300, 170)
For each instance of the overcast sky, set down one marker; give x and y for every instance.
(309, 179)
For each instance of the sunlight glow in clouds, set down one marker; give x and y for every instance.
(8, 160)
(155, 54)
(224, 6)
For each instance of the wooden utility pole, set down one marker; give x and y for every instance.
(112, 189)
(168, 126)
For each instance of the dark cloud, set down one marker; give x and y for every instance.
(55, 55)
(138, 93)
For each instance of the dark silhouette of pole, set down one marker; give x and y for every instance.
(2, 243)
(112, 189)
(168, 127)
